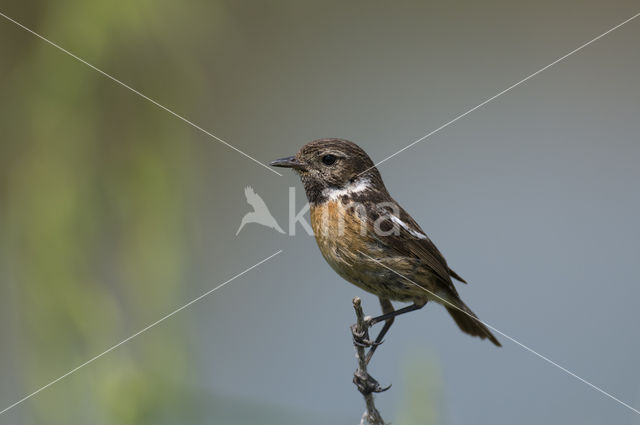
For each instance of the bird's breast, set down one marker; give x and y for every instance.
(350, 248)
(342, 237)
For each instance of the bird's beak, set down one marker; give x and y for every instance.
(289, 162)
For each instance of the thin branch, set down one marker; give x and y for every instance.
(361, 378)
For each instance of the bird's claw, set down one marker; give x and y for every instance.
(367, 384)
(361, 338)
(364, 343)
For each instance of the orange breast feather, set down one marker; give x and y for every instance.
(339, 231)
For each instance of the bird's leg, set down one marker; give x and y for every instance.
(387, 308)
(388, 316)
(394, 313)
(363, 340)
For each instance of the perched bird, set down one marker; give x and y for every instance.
(260, 213)
(369, 240)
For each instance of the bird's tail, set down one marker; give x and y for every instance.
(468, 322)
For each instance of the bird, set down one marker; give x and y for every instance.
(260, 213)
(370, 240)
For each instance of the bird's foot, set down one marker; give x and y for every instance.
(361, 337)
(367, 384)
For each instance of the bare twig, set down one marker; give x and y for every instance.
(365, 383)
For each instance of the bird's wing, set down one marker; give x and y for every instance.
(411, 241)
(456, 275)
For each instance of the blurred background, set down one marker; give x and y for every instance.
(114, 213)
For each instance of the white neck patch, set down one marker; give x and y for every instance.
(357, 186)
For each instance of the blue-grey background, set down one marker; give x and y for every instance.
(114, 213)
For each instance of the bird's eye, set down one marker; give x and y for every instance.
(329, 159)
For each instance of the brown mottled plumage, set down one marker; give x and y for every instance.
(369, 240)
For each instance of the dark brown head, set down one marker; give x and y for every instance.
(329, 166)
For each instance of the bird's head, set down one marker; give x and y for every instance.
(327, 165)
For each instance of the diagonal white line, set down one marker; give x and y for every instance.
(22, 400)
(442, 127)
(531, 350)
(139, 94)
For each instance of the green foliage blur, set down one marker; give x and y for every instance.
(94, 192)
(422, 391)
